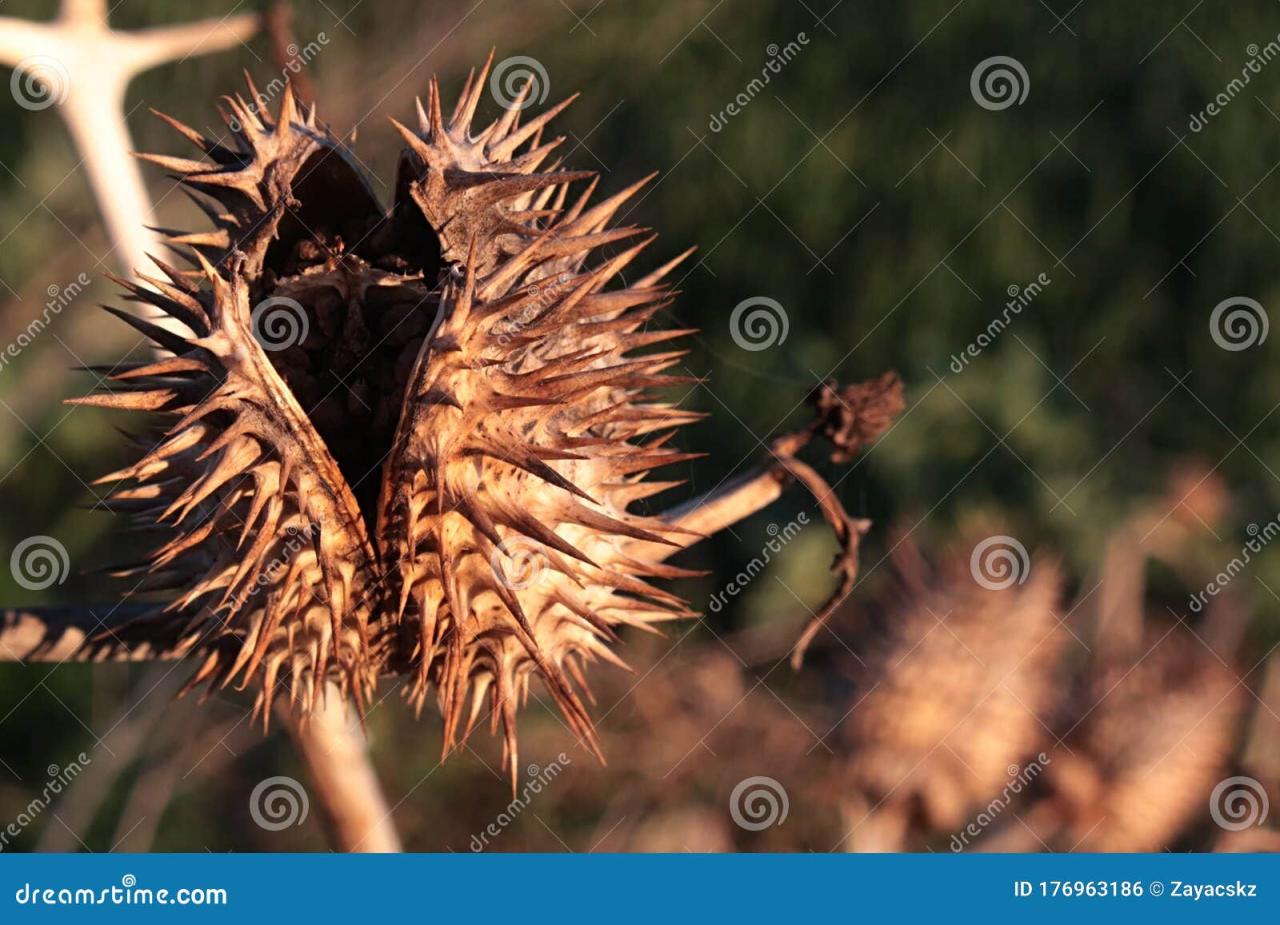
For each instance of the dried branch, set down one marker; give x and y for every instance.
(333, 747)
(94, 633)
(79, 62)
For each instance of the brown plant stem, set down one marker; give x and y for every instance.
(93, 633)
(332, 745)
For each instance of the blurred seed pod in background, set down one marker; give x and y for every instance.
(957, 688)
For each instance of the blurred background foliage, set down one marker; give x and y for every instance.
(865, 191)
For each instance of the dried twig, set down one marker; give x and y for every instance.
(332, 745)
(850, 418)
(85, 66)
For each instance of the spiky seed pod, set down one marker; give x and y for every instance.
(955, 690)
(434, 476)
(1156, 734)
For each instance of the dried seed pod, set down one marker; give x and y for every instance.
(955, 692)
(403, 442)
(1155, 735)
